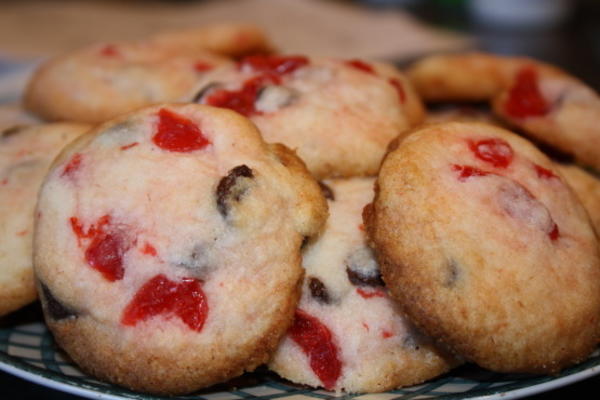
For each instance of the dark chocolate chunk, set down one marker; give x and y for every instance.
(362, 269)
(204, 91)
(357, 278)
(318, 290)
(453, 273)
(232, 187)
(305, 241)
(327, 191)
(12, 131)
(55, 309)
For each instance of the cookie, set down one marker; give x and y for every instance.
(471, 76)
(553, 108)
(543, 101)
(26, 153)
(586, 187)
(102, 81)
(339, 115)
(167, 247)
(348, 334)
(228, 39)
(12, 115)
(487, 249)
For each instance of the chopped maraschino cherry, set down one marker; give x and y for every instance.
(494, 151)
(105, 251)
(202, 66)
(110, 50)
(273, 64)
(467, 171)
(242, 100)
(399, 89)
(544, 172)
(524, 97)
(361, 65)
(162, 296)
(316, 342)
(176, 133)
(72, 166)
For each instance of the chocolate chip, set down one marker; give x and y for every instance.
(452, 273)
(305, 241)
(55, 309)
(318, 290)
(327, 191)
(232, 187)
(362, 269)
(204, 91)
(198, 259)
(12, 131)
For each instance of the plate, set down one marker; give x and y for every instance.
(28, 350)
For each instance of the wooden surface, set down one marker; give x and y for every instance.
(37, 28)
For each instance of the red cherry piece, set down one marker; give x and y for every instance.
(105, 254)
(110, 50)
(554, 234)
(72, 166)
(494, 151)
(272, 64)
(361, 65)
(150, 250)
(367, 294)
(316, 341)
(202, 66)
(524, 97)
(467, 171)
(243, 100)
(177, 133)
(77, 227)
(161, 296)
(543, 172)
(128, 146)
(105, 251)
(399, 89)
(386, 334)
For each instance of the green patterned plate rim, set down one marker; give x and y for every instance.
(28, 350)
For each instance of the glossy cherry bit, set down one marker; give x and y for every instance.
(273, 64)
(105, 248)
(129, 146)
(544, 173)
(177, 133)
(149, 250)
(316, 342)
(494, 151)
(202, 66)
(242, 100)
(110, 50)
(368, 294)
(467, 171)
(161, 296)
(72, 166)
(361, 65)
(399, 89)
(524, 97)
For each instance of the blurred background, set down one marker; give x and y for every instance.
(563, 32)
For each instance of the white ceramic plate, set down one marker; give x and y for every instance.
(27, 350)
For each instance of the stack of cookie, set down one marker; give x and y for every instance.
(228, 207)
